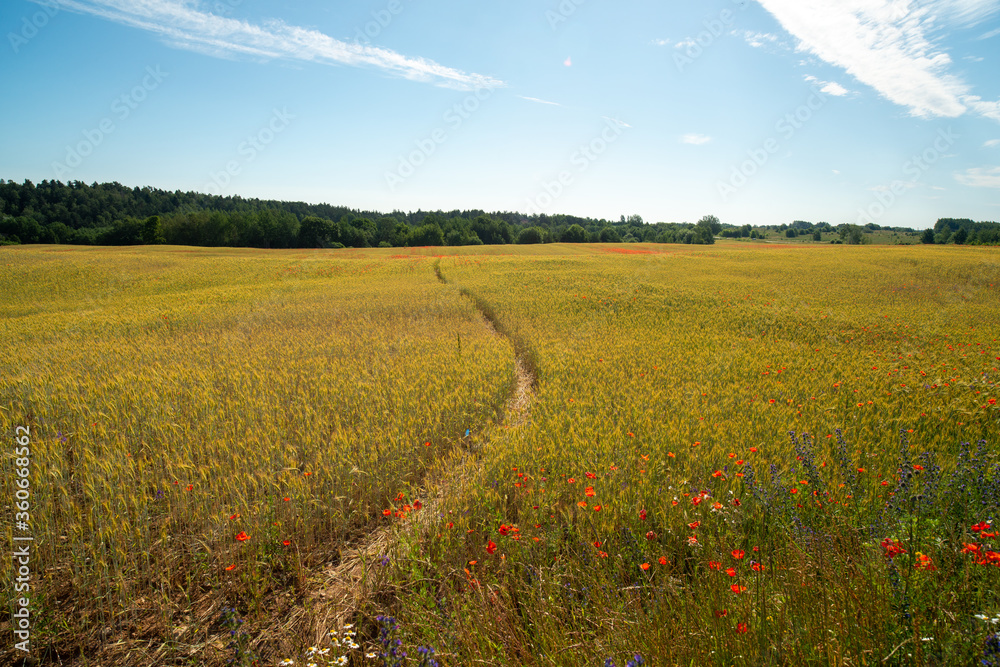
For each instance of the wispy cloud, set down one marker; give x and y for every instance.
(828, 87)
(181, 24)
(757, 39)
(535, 99)
(992, 143)
(980, 177)
(695, 139)
(888, 45)
(991, 33)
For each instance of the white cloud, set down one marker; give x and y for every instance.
(758, 39)
(662, 42)
(991, 33)
(181, 24)
(686, 44)
(535, 99)
(695, 139)
(888, 45)
(828, 87)
(980, 177)
(836, 171)
(992, 143)
(984, 108)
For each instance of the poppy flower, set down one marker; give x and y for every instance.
(642, 514)
(450, 525)
(597, 508)
(387, 512)
(503, 529)
(981, 526)
(694, 524)
(590, 475)
(589, 491)
(417, 504)
(242, 537)
(717, 473)
(736, 588)
(757, 567)
(650, 536)
(644, 566)
(663, 560)
(190, 487)
(491, 547)
(738, 553)
(736, 502)
(230, 567)
(714, 565)
(720, 613)
(571, 480)
(731, 571)
(597, 544)
(582, 503)
(753, 450)
(286, 542)
(742, 628)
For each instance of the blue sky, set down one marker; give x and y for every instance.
(759, 112)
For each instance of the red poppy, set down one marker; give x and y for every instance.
(503, 529)
(589, 491)
(736, 502)
(650, 536)
(230, 568)
(642, 514)
(571, 480)
(386, 512)
(736, 588)
(738, 553)
(645, 566)
(582, 503)
(491, 547)
(714, 565)
(450, 525)
(242, 537)
(719, 613)
(590, 475)
(190, 487)
(753, 450)
(982, 525)
(663, 560)
(597, 508)
(731, 572)
(417, 504)
(742, 628)
(717, 473)
(694, 525)
(757, 567)
(286, 542)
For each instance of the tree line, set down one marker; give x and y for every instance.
(113, 214)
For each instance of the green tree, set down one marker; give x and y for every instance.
(928, 236)
(531, 235)
(960, 236)
(152, 233)
(574, 234)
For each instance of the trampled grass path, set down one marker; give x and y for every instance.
(343, 590)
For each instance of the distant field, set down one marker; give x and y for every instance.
(218, 428)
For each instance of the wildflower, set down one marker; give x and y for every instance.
(230, 567)
(571, 480)
(491, 547)
(979, 527)
(731, 571)
(589, 491)
(644, 566)
(736, 588)
(387, 512)
(892, 548)
(742, 628)
(503, 529)
(642, 514)
(597, 508)
(694, 524)
(753, 450)
(417, 504)
(590, 475)
(286, 542)
(738, 554)
(720, 613)
(757, 567)
(582, 503)
(717, 473)
(663, 560)
(242, 537)
(650, 535)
